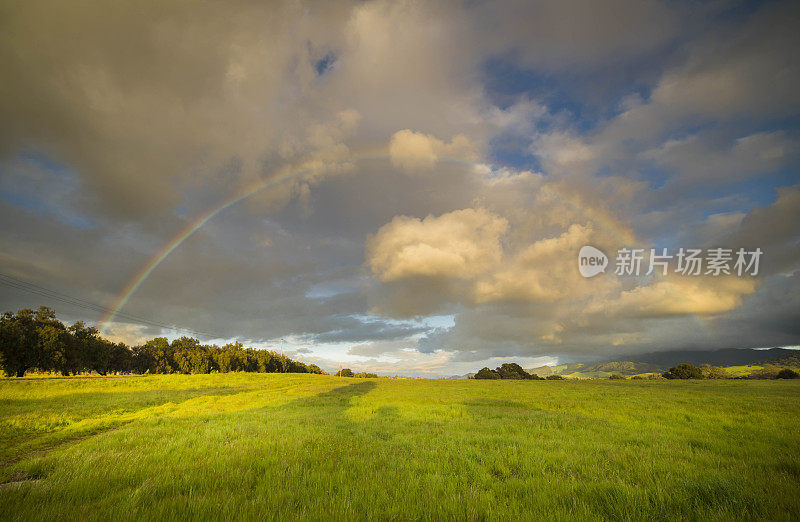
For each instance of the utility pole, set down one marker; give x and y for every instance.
(281, 348)
(283, 361)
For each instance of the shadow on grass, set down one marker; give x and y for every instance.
(37, 443)
(68, 410)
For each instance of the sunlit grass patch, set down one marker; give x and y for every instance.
(285, 446)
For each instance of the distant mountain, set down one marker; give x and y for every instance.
(465, 376)
(662, 361)
(561, 369)
(724, 357)
(601, 369)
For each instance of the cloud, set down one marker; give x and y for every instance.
(542, 271)
(532, 301)
(632, 123)
(680, 297)
(553, 35)
(705, 159)
(459, 244)
(415, 151)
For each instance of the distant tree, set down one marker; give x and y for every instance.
(37, 340)
(555, 377)
(345, 372)
(684, 371)
(787, 373)
(486, 373)
(616, 377)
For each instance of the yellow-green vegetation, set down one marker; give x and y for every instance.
(740, 371)
(277, 446)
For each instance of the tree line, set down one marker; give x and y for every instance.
(347, 372)
(34, 340)
(706, 371)
(681, 371)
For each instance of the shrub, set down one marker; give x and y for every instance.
(554, 378)
(616, 376)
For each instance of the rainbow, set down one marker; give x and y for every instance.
(284, 174)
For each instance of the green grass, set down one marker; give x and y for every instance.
(740, 371)
(255, 446)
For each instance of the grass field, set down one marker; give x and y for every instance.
(274, 446)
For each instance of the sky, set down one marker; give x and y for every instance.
(402, 186)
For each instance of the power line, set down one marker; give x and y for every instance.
(41, 291)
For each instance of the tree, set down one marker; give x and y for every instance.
(161, 354)
(142, 360)
(512, 371)
(18, 341)
(787, 373)
(38, 340)
(684, 371)
(554, 377)
(52, 341)
(121, 358)
(31, 339)
(486, 373)
(345, 372)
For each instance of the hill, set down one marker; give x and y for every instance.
(595, 370)
(738, 361)
(465, 376)
(790, 360)
(724, 357)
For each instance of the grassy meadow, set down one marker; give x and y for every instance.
(277, 446)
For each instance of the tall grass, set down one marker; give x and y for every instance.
(273, 446)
